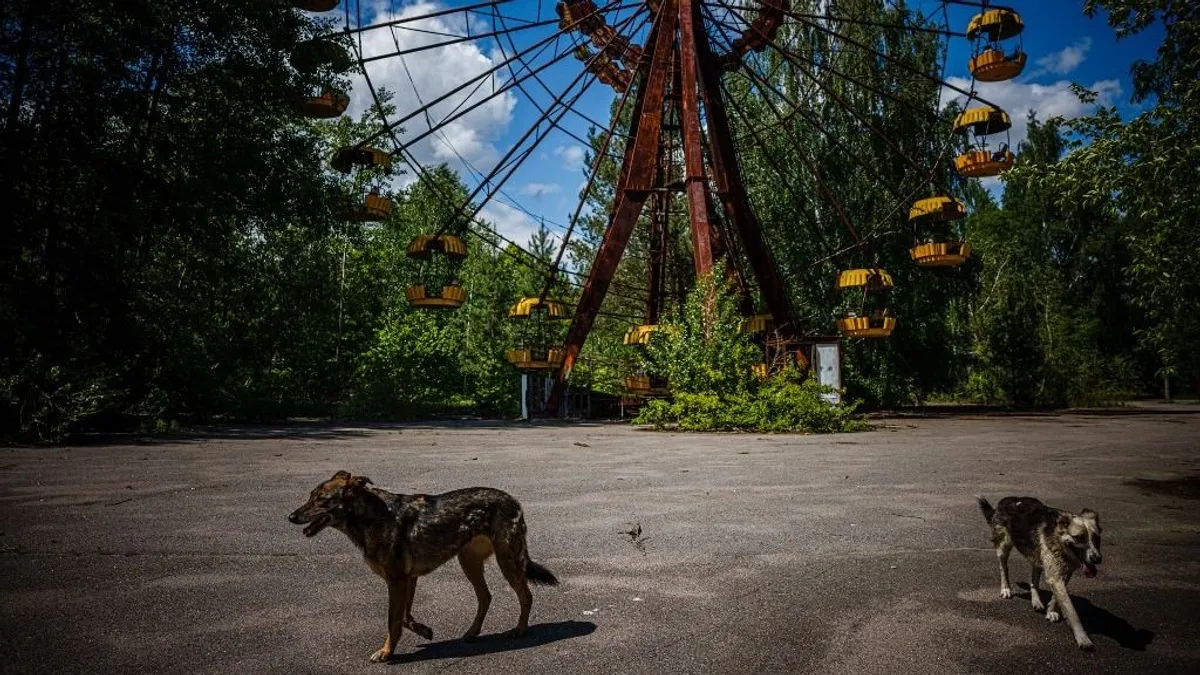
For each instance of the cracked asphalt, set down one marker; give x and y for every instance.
(854, 553)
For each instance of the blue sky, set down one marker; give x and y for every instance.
(1064, 46)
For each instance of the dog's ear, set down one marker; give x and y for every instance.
(1090, 514)
(357, 484)
(344, 475)
(1064, 519)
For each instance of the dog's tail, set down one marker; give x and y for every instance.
(540, 575)
(987, 509)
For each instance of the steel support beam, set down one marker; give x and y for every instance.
(727, 183)
(634, 186)
(700, 205)
(678, 52)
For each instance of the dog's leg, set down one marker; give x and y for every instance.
(1064, 602)
(397, 601)
(512, 565)
(1035, 574)
(1002, 552)
(471, 560)
(409, 622)
(1052, 614)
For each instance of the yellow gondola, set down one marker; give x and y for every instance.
(530, 306)
(978, 161)
(982, 121)
(647, 385)
(312, 55)
(995, 24)
(983, 163)
(328, 105)
(345, 159)
(880, 322)
(537, 340)
(789, 357)
(935, 209)
(940, 254)
(871, 279)
(643, 383)
(437, 273)
(315, 5)
(993, 65)
(533, 359)
(374, 208)
(452, 297)
(425, 245)
(640, 335)
(929, 211)
(759, 323)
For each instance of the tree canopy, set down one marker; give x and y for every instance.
(175, 253)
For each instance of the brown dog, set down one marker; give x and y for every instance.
(1055, 542)
(403, 537)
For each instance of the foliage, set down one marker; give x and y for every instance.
(785, 403)
(1037, 325)
(706, 358)
(175, 253)
(1142, 174)
(702, 347)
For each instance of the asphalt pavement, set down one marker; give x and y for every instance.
(850, 553)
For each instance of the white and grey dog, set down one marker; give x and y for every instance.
(1055, 542)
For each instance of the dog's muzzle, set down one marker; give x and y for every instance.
(314, 526)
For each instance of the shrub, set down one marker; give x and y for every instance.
(706, 357)
(784, 403)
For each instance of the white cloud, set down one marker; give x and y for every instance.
(513, 223)
(429, 75)
(1048, 100)
(1065, 60)
(572, 156)
(1017, 99)
(539, 189)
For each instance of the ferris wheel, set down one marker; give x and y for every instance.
(669, 97)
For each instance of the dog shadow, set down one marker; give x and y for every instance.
(537, 635)
(1099, 621)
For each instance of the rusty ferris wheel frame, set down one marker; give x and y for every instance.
(674, 85)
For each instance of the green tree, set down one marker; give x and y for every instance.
(1144, 172)
(150, 149)
(1042, 319)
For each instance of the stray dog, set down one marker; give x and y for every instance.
(1055, 542)
(403, 537)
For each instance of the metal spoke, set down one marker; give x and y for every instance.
(482, 77)
(845, 105)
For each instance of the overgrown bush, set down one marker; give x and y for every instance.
(786, 402)
(706, 358)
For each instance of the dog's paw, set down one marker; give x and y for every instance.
(1039, 606)
(1053, 617)
(514, 633)
(422, 630)
(381, 656)
(1086, 645)
(1006, 593)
